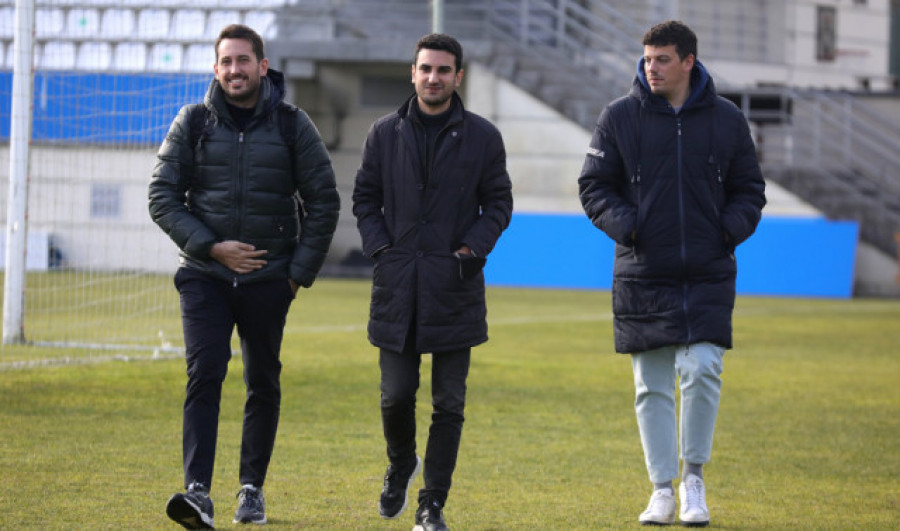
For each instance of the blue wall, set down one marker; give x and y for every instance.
(785, 257)
(103, 108)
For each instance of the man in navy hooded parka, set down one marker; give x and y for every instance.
(672, 176)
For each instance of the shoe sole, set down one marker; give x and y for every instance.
(695, 524)
(187, 514)
(412, 477)
(261, 521)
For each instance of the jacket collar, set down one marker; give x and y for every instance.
(407, 111)
(702, 93)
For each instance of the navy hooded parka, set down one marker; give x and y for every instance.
(677, 191)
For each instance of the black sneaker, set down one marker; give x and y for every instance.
(395, 494)
(429, 517)
(251, 506)
(192, 509)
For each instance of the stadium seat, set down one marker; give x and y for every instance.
(153, 24)
(48, 22)
(263, 22)
(7, 21)
(188, 24)
(165, 57)
(117, 23)
(57, 55)
(251, 5)
(82, 23)
(130, 57)
(199, 58)
(220, 19)
(94, 56)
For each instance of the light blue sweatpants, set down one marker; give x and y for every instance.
(698, 368)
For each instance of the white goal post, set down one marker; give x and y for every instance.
(20, 135)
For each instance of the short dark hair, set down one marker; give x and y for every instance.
(440, 41)
(240, 31)
(673, 32)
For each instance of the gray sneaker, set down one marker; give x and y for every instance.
(251, 506)
(192, 509)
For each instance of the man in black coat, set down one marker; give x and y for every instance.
(228, 188)
(432, 196)
(672, 176)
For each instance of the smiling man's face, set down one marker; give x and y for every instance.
(239, 72)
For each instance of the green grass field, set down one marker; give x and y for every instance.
(807, 435)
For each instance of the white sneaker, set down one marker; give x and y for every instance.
(661, 510)
(693, 502)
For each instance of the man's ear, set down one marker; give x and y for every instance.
(459, 76)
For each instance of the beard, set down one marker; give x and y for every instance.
(248, 92)
(434, 99)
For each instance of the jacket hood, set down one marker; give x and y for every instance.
(271, 92)
(701, 85)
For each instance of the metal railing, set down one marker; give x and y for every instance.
(578, 55)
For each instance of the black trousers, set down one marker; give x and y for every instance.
(210, 310)
(399, 383)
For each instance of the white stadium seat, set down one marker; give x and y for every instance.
(189, 24)
(94, 56)
(57, 55)
(117, 23)
(7, 21)
(130, 57)
(153, 24)
(199, 58)
(48, 22)
(82, 23)
(165, 57)
(263, 22)
(220, 19)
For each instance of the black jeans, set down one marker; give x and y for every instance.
(210, 310)
(399, 383)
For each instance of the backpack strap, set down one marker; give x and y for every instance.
(286, 116)
(198, 122)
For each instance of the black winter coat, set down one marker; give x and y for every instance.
(414, 218)
(243, 185)
(688, 186)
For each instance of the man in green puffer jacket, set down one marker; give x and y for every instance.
(253, 211)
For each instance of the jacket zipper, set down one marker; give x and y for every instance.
(682, 229)
(239, 206)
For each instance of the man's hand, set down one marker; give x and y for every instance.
(463, 250)
(237, 256)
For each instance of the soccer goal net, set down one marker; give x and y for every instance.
(108, 79)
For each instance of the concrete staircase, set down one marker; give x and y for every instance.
(577, 55)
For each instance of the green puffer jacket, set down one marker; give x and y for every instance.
(242, 185)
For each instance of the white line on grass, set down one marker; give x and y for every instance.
(157, 353)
